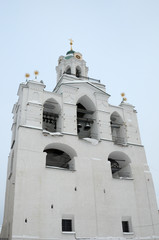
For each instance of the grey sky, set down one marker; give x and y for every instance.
(119, 40)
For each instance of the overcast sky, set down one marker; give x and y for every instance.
(119, 39)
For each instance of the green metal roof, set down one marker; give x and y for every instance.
(68, 57)
(70, 52)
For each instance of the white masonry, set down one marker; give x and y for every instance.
(76, 168)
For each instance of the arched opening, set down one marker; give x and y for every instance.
(51, 116)
(118, 129)
(86, 118)
(78, 72)
(60, 156)
(120, 165)
(68, 70)
(57, 158)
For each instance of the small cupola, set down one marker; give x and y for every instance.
(69, 54)
(72, 64)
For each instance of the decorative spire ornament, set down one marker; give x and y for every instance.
(36, 74)
(27, 75)
(71, 43)
(123, 96)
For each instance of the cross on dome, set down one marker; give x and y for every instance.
(71, 42)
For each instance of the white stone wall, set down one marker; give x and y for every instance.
(89, 195)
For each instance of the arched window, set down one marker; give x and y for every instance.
(51, 112)
(68, 70)
(118, 129)
(86, 118)
(60, 156)
(57, 158)
(78, 72)
(120, 165)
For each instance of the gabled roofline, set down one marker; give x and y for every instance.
(60, 83)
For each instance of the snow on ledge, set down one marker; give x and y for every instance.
(91, 140)
(34, 102)
(45, 132)
(30, 126)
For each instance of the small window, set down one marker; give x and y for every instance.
(125, 226)
(78, 72)
(66, 225)
(68, 71)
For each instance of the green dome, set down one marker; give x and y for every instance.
(70, 52)
(68, 57)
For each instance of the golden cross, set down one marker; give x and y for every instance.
(71, 43)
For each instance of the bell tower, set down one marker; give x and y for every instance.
(72, 64)
(77, 168)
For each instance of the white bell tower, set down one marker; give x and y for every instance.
(77, 169)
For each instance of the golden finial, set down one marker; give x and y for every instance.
(123, 96)
(71, 43)
(36, 74)
(27, 75)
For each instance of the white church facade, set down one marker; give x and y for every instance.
(77, 168)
